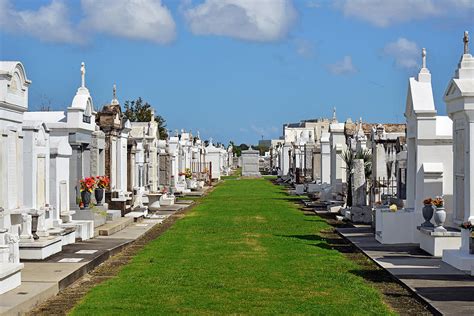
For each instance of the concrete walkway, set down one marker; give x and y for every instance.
(44, 279)
(446, 289)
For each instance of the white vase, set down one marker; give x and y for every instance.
(439, 218)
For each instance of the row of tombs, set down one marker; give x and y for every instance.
(411, 181)
(52, 161)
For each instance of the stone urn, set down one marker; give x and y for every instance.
(154, 201)
(427, 211)
(99, 195)
(86, 198)
(439, 218)
(34, 226)
(471, 244)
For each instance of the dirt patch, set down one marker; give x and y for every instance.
(65, 300)
(396, 296)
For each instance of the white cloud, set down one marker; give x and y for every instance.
(304, 48)
(313, 4)
(383, 13)
(263, 20)
(404, 52)
(135, 19)
(264, 131)
(50, 23)
(342, 67)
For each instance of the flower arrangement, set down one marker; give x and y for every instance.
(103, 182)
(88, 184)
(164, 190)
(466, 225)
(188, 174)
(393, 208)
(438, 202)
(428, 201)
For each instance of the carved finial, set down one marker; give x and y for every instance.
(423, 58)
(210, 141)
(114, 95)
(83, 75)
(334, 113)
(198, 135)
(466, 42)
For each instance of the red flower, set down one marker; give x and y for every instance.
(103, 182)
(87, 184)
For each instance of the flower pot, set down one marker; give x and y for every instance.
(99, 196)
(439, 218)
(86, 198)
(427, 215)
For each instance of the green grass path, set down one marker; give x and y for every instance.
(246, 249)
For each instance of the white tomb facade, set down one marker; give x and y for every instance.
(429, 168)
(459, 98)
(13, 103)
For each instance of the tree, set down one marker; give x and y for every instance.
(263, 149)
(235, 149)
(348, 158)
(141, 111)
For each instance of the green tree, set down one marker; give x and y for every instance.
(141, 111)
(235, 149)
(348, 157)
(263, 149)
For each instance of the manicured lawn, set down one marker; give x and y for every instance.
(245, 249)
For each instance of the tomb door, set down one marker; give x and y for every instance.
(41, 182)
(63, 199)
(459, 158)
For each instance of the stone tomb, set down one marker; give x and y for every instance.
(428, 165)
(13, 103)
(116, 128)
(213, 157)
(250, 163)
(459, 98)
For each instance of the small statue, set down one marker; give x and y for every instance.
(466, 42)
(83, 75)
(423, 57)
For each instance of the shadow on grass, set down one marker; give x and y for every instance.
(373, 275)
(328, 243)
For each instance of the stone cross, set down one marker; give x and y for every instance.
(466, 42)
(423, 57)
(83, 75)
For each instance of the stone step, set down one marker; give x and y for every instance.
(136, 216)
(113, 227)
(113, 215)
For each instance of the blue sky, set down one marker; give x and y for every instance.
(237, 69)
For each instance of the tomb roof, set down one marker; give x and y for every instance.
(351, 128)
(9, 67)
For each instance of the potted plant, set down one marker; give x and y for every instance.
(87, 186)
(427, 212)
(102, 184)
(469, 226)
(440, 214)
